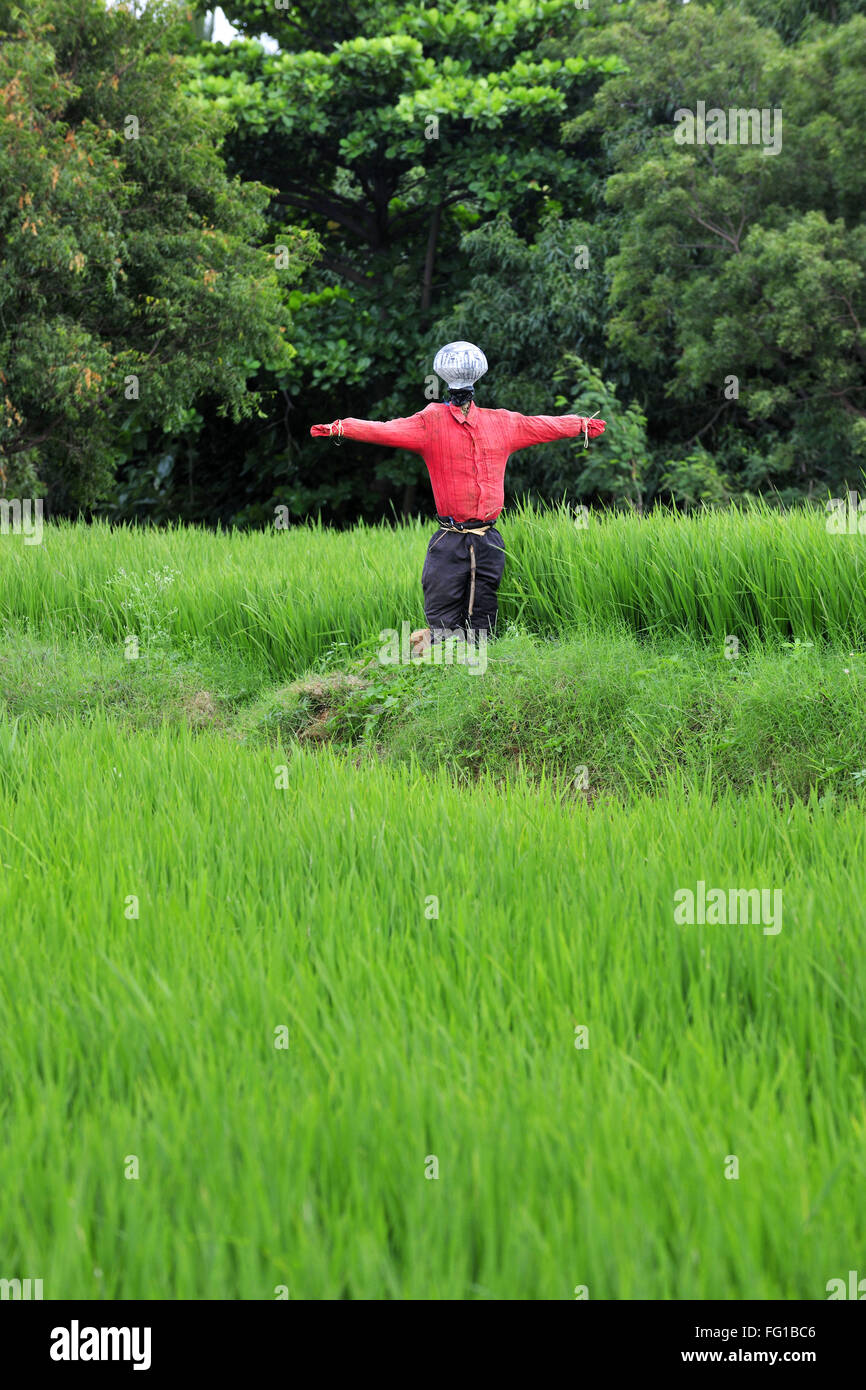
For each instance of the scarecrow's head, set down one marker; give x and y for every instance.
(460, 365)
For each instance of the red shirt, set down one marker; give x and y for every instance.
(465, 455)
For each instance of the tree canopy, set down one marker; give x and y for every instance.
(131, 283)
(286, 232)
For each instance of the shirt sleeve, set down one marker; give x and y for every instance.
(541, 429)
(406, 433)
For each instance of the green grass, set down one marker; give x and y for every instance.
(283, 599)
(411, 1037)
(605, 709)
(308, 906)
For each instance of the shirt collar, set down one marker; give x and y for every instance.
(471, 418)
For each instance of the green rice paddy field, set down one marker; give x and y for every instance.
(336, 979)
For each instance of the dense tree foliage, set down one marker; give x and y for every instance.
(736, 260)
(131, 287)
(390, 131)
(519, 174)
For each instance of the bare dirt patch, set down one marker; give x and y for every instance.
(200, 709)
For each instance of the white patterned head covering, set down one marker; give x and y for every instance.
(460, 365)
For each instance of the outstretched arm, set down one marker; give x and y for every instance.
(406, 433)
(541, 429)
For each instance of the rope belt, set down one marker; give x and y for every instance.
(462, 527)
(467, 530)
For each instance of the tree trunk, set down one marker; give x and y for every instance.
(429, 259)
(408, 504)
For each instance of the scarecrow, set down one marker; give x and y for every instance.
(466, 449)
